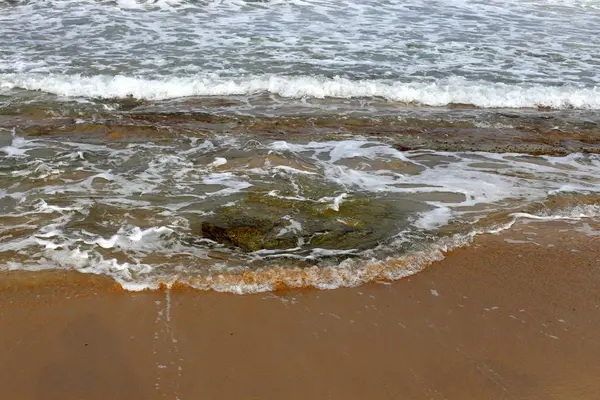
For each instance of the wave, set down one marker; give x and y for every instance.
(351, 272)
(455, 90)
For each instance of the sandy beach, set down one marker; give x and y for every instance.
(513, 316)
(299, 200)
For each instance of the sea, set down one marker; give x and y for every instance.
(254, 145)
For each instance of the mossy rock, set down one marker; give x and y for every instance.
(257, 221)
(248, 238)
(344, 238)
(248, 233)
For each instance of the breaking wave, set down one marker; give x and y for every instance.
(439, 93)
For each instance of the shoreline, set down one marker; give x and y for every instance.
(514, 315)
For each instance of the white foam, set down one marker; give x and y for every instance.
(440, 93)
(134, 239)
(291, 170)
(49, 245)
(572, 213)
(232, 183)
(335, 206)
(44, 207)
(293, 226)
(434, 219)
(218, 162)
(71, 258)
(12, 151)
(18, 146)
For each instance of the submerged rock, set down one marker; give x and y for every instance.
(267, 222)
(248, 233)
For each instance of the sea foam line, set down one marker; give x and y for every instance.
(352, 272)
(349, 273)
(438, 93)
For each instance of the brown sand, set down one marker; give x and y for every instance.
(495, 320)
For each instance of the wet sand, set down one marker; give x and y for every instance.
(513, 316)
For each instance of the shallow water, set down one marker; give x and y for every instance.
(250, 145)
(185, 208)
